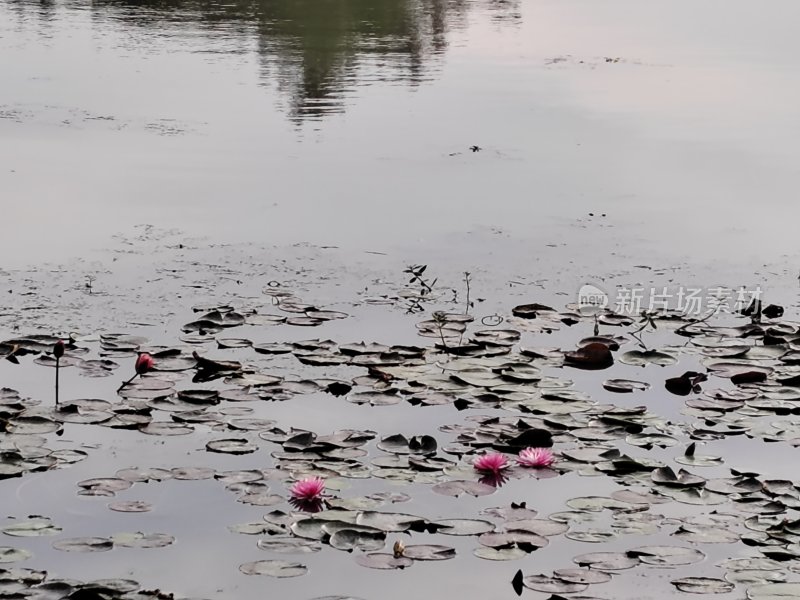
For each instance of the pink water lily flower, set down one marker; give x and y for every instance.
(491, 463)
(308, 489)
(536, 457)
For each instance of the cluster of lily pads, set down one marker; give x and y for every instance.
(537, 419)
(30, 583)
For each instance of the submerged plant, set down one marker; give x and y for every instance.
(425, 287)
(535, 457)
(58, 352)
(491, 463)
(144, 363)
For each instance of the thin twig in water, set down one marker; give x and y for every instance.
(703, 320)
(647, 319)
(440, 320)
(467, 279)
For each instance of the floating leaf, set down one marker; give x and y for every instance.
(142, 540)
(488, 553)
(463, 526)
(9, 555)
(553, 585)
(642, 358)
(32, 528)
(667, 555)
(84, 544)
(607, 561)
(231, 446)
(274, 568)
(383, 561)
(703, 585)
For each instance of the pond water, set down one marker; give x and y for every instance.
(350, 123)
(163, 158)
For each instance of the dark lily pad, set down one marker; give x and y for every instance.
(84, 544)
(142, 540)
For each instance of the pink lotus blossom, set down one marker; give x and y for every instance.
(491, 463)
(308, 489)
(144, 363)
(536, 457)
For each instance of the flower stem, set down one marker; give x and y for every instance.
(124, 383)
(58, 361)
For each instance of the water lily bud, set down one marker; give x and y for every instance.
(398, 548)
(144, 363)
(58, 349)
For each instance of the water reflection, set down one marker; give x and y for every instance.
(316, 52)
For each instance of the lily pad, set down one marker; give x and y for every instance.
(10, 555)
(32, 528)
(274, 568)
(383, 561)
(703, 585)
(84, 544)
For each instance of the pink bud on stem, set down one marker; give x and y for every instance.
(144, 363)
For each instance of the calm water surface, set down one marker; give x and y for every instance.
(349, 122)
